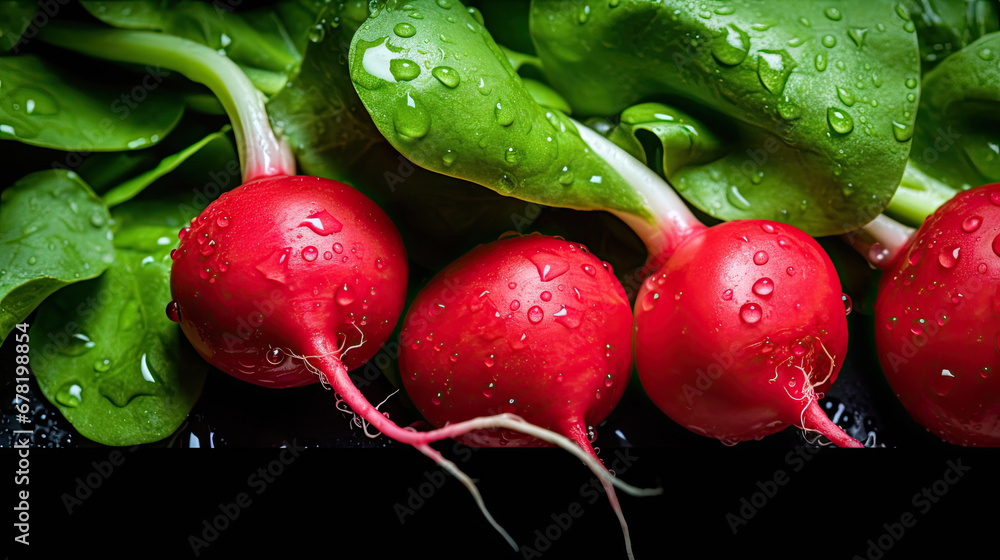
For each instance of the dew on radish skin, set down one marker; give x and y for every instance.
(848, 304)
(760, 258)
(310, 253)
(174, 311)
(763, 287)
(535, 314)
(972, 223)
(750, 313)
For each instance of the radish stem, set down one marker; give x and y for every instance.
(261, 153)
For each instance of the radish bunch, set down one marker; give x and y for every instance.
(937, 319)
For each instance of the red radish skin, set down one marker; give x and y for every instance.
(937, 321)
(288, 266)
(533, 325)
(741, 331)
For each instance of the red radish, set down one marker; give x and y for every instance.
(937, 320)
(742, 326)
(532, 325)
(286, 267)
(741, 331)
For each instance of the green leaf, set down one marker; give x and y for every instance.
(112, 362)
(44, 105)
(957, 137)
(268, 43)
(135, 185)
(55, 231)
(810, 101)
(15, 19)
(446, 96)
(319, 112)
(947, 26)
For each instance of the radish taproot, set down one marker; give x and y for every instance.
(286, 280)
(937, 317)
(531, 325)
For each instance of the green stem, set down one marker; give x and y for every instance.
(918, 196)
(261, 154)
(673, 222)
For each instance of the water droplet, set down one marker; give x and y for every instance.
(982, 268)
(942, 382)
(568, 317)
(649, 301)
(404, 30)
(447, 76)
(911, 83)
(322, 223)
(436, 399)
(403, 69)
(535, 314)
(890, 323)
(102, 366)
(411, 120)
(736, 198)
(504, 113)
(174, 311)
(902, 131)
(763, 287)
(275, 267)
(591, 271)
(549, 266)
(32, 260)
(972, 223)
(566, 176)
(345, 295)
(208, 248)
(583, 15)
(70, 394)
(857, 35)
(840, 121)
(948, 258)
(506, 183)
(310, 253)
(760, 258)
(917, 328)
(773, 68)
(848, 304)
(221, 221)
(731, 48)
(832, 14)
(846, 97)
(489, 390)
(546, 296)
(484, 88)
(985, 54)
(820, 62)
(751, 313)
(829, 41)
(515, 305)
(727, 295)
(790, 271)
(511, 156)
